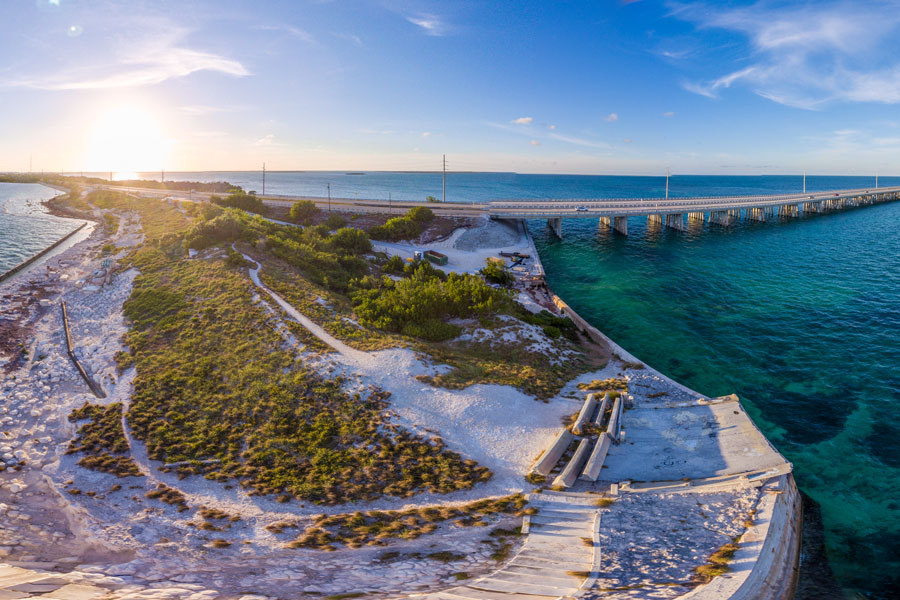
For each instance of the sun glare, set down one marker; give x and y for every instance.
(127, 140)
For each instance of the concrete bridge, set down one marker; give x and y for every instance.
(610, 212)
(674, 212)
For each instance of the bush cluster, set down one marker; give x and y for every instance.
(303, 211)
(242, 200)
(403, 228)
(420, 305)
(496, 273)
(553, 326)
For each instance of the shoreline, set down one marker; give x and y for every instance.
(160, 561)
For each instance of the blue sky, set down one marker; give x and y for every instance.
(547, 87)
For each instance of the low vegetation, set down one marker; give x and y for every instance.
(605, 385)
(102, 440)
(718, 563)
(403, 228)
(374, 528)
(242, 200)
(217, 393)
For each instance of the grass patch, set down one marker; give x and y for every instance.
(220, 544)
(375, 528)
(718, 563)
(103, 440)
(604, 502)
(579, 574)
(605, 385)
(445, 556)
(164, 493)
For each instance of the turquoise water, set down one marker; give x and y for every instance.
(25, 226)
(800, 318)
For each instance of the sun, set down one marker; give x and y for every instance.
(126, 140)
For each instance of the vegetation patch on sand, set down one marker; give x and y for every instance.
(374, 528)
(605, 385)
(102, 440)
(214, 380)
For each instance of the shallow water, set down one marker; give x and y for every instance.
(800, 318)
(25, 226)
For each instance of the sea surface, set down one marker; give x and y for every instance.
(26, 227)
(800, 318)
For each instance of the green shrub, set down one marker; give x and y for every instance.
(349, 239)
(420, 214)
(243, 201)
(335, 221)
(303, 211)
(496, 273)
(419, 304)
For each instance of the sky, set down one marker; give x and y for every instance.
(594, 87)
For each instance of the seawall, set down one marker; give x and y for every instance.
(766, 564)
(28, 262)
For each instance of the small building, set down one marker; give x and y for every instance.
(436, 257)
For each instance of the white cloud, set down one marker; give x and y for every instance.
(627, 140)
(432, 24)
(534, 143)
(355, 39)
(151, 57)
(291, 30)
(579, 141)
(266, 140)
(612, 118)
(551, 127)
(426, 134)
(523, 121)
(669, 114)
(810, 54)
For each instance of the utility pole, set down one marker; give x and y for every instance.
(876, 180)
(804, 182)
(162, 176)
(444, 180)
(329, 197)
(264, 179)
(667, 183)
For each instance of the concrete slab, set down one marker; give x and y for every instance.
(672, 443)
(76, 591)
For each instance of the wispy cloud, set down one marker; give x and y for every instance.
(154, 57)
(293, 31)
(669, 114)
(431, 24)
(612, 118)
(807, 55)
(266, 140)
(534, 143)
(426, 134)
(523, 121)
(579, 141)
(353, 39)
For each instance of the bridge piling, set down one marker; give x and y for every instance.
(654, 220)
(556, 226)
(620, 224)
(675, 221)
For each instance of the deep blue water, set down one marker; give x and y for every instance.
(800, 318)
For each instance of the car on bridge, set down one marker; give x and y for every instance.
(581, 208)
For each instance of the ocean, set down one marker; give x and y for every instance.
(800, 318)
(26, 227)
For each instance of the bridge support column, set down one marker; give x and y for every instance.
(620, 224)
(556, 226)
(756, 214)
(696, 216)
(675, 221)
(604, 222)
(721, 217)
(654, 220)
